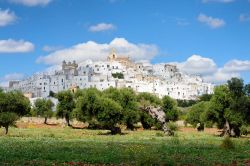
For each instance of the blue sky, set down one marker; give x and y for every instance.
(207, 37)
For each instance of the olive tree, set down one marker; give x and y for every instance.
(126, 97)
(43, 108)
(196, 115)
(145, 100)
(13, 105)
(65, 106)
(229, 107)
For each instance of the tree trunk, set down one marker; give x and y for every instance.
(6, 129)
(167, 130)
(130, 126)
(115, 130)
(67, 120)
(200, 127)
(226, 129)
(45, 120)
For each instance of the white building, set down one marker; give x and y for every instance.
(159, 79)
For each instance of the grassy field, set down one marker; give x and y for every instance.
(65, 146)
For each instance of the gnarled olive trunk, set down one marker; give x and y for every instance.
(226, 129)
(130, 126)
(200, 127)
(115, 130)
(6, 129)
(45, 120)
(167, 131)
(67, 120)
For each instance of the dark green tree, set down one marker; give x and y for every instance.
(86, 109)
(229, 107)
(109, 114)
(169, 106)
(43, 108)
(13, 105)
(126, 97)
(205, 97)
(196, 115)
(65, 106)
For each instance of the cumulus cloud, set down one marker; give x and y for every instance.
(31, 3)
(7, 17)
(207, 68)
(51, 48)
(101, 27)
(15, 46)
(237, 66)
(97, 51)
(4, 81)
(210, 21)
(219, 1)
(197, 63)
(244, 17)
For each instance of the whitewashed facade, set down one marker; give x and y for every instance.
(159, 79)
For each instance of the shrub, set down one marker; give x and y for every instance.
(244, 130)
(227, 143)
(173, 126)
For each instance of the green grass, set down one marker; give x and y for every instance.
(65, 146)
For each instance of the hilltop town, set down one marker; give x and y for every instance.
(117, 71)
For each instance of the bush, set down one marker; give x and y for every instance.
(227, 143)
(244, 130)
(173, 126)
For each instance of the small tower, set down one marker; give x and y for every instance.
(112, 56)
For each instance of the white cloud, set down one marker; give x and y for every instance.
(208, 69)
(15, 46)
(31, 3)
(197, 63)
(101, 27)
(7, 17)
(51, 48)
(4, 81)
(237, 66)
(219, 1)
(244, 17)
(210, 21)
(96, 51)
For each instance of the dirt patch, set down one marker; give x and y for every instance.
(193, 130)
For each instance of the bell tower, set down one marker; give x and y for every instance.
(112, 56)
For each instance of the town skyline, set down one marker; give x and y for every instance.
(205, 37)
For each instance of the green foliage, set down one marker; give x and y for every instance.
(98, 110)
(146, 99)
(196, 114)
(126, 97)
(118, 75)
(247, 90)
(227, 143)
(244, 130)
(43, 108)
(185, 103)
(66, 105)
(172, 126)
(14, 102)
(109, 114)
(205, 97)
(229, 107)
(169, 106)
(12, 105)
(7, 119)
